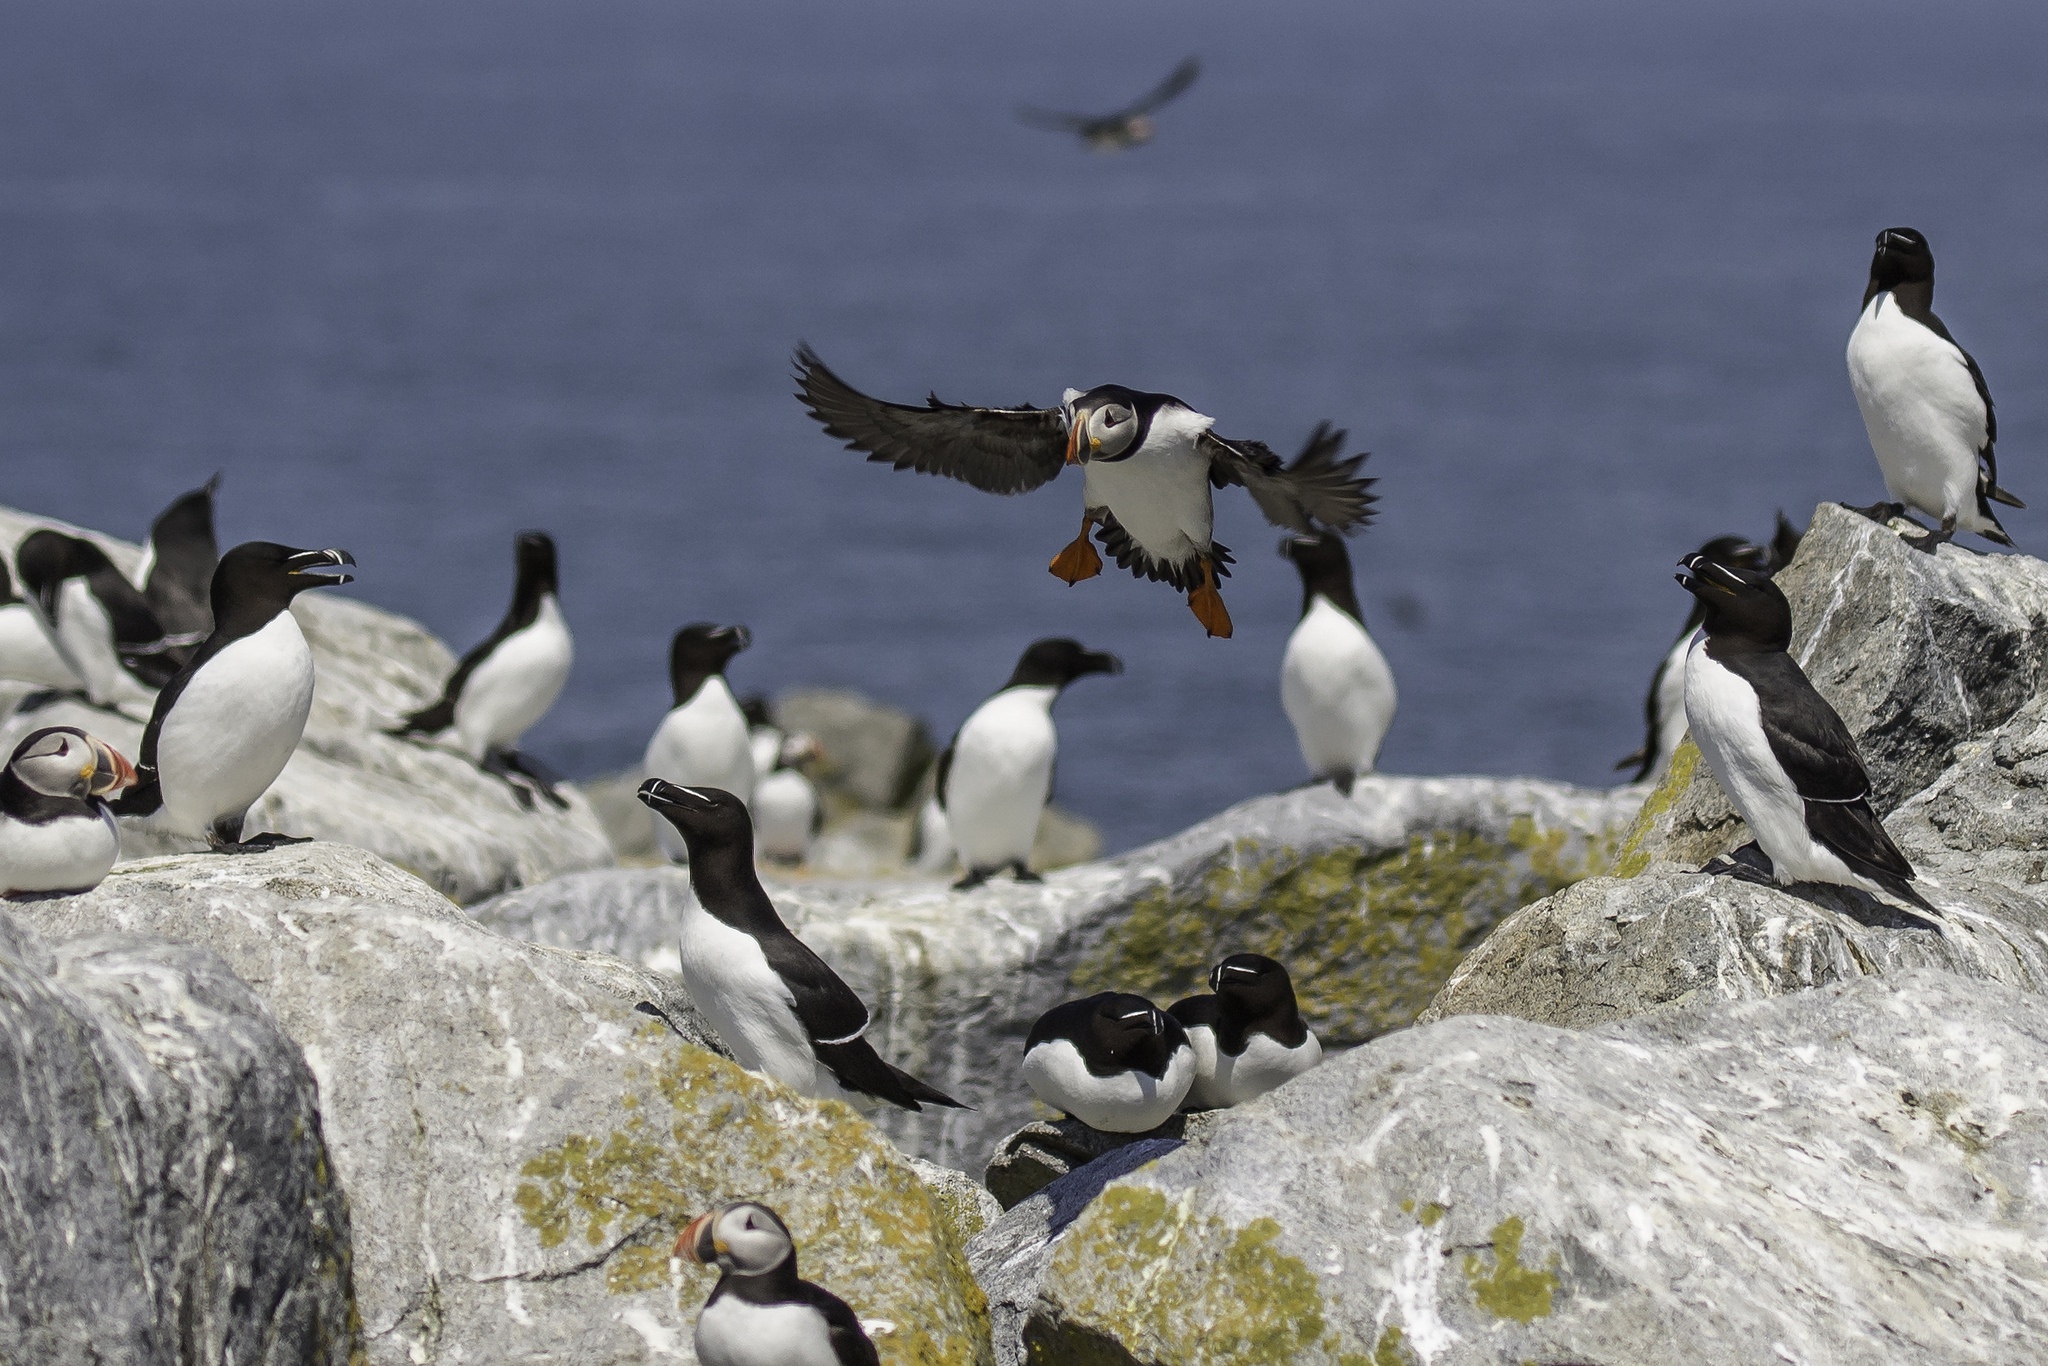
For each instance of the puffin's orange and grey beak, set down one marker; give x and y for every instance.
(110, 771)
(1074, 432)
(697, 1243)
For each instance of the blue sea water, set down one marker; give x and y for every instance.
(415, 274)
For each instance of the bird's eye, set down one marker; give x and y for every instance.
(1115, 417)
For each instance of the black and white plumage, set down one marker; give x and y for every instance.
(224, 728)
(1131, 126)
(504, 686)
(1924, 401)
(787, 811)
(762, 1313)
(1335, 685)
(764, 737)
(27, 653)
(1247, 1034)
(1114, 1061)
(1148, 460)
(1779, 751)
(56, 833)
(995, 778)
(97, 620)
(704, 740)
(176, 573)
(778, 1007)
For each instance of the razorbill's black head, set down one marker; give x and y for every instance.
(776, 1004)
(1664, 707)
(1902, 258)
(177, 569)
(1325, 568)
(1247, 1035)
(97, 620)
(1335, 685)
(1114, 1061)
(56, 834)
(762, 1313)
(1058, 661)
(700, 651)
(1780, 752)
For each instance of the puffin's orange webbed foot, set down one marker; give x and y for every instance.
(1079, 560)
(1207, 604)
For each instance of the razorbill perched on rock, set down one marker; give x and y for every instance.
(1131, 126)
(1924, 400)
(223, 729)
(1148, 461)
(1334, 682)
(97, 620)
(761, 1313)
(704, 741)
(1114, 1061)
(1247, 1036)
(995, 778)
(27, 654)
(1780, 752)
(176, 574)
(56, 834)
(776, 1004)
(787, 812)
(503, 687)
(1664, 708)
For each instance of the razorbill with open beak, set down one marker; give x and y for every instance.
(27, 654)
(995, 778)
(704, 741)
(97, 620)
(223, 729)
(787, 812)
(1148, 461)
(1664, 707)
(56, 834)
(1129, 127)
(779, 1008)
(1247, 1035)
(176, 573)
(1924, 400)
(503, 687)
(761, 1313)
(1780, 752)
(1334, 683)
(1114, 1061)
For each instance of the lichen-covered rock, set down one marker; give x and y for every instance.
(425, 808)
(167, 1194)
(520, 1145)
(1370, 902)
(1848, 1175)
(966, 1204)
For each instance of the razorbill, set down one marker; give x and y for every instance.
(1114, 1061)
(995, 778)
(787, 812)
(1334, 683)
(1247, 1036)
(1130, 126)
(1664, 708)
(56, 834)
(704, 740)
(27, 654)
(503, 687)
(1148, 461)
(776, 1004)
(1780, 752)
(761, 1313)
(97, 620)
(176, 573)
(1924, 400)
(223, 729)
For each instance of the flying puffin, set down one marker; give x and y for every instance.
(1128, 127)
(1334, 683)
(98, 621)
(995, 778)
(1923, 399)
(26, 652)
(787, 812)
(176, 573)
(56, 834)
(1779, 751)
(503, 687)
(1248, 1035)
(761, 1313)
(779, 1008)
(223, 729)
(704, 741)
(1114, 1061)
(1148, 462)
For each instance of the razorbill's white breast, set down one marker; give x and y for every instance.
(1334, 683)
(776, 1004)
(787, 812)
(704, 741)
(26, 652)
(761, 1313)
(97, 621)
(995, 778)
(1247, 1035)
(1114, 1061)
(56, 834)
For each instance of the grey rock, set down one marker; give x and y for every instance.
(874, 753)
(966, 1203)
(167, 1195)
(1987, 814)
(1847, 1175)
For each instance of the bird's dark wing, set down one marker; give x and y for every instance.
(1852, 830)
(857, 1067)
(1317, 491)
(997, 450)
(1987, 457)
(181, 575)
(1177, 80)
(1052, 120)
(1805, 734)
(850, 1344)
(830, 1011)
(945, 770)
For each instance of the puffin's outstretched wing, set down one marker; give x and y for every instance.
(998, 450)
(1317, 490)
(1177, 80)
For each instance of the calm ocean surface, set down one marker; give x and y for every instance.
(417, 275)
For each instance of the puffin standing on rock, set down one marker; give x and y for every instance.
(761, 1313)
(705, 740)
(1114, 1061)
(56, 834)
(1248, 1036)
(1148, 462)
(1334, 683)
(777, 1006)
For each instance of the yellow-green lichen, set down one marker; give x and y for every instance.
(1634, 856)
(1510, 1290)
(1392, 1349)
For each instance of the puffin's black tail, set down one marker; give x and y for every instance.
(857, 1067)
(428, 720)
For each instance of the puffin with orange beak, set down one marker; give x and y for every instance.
(761, 1313)
(1148, 461)
(56, 833)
